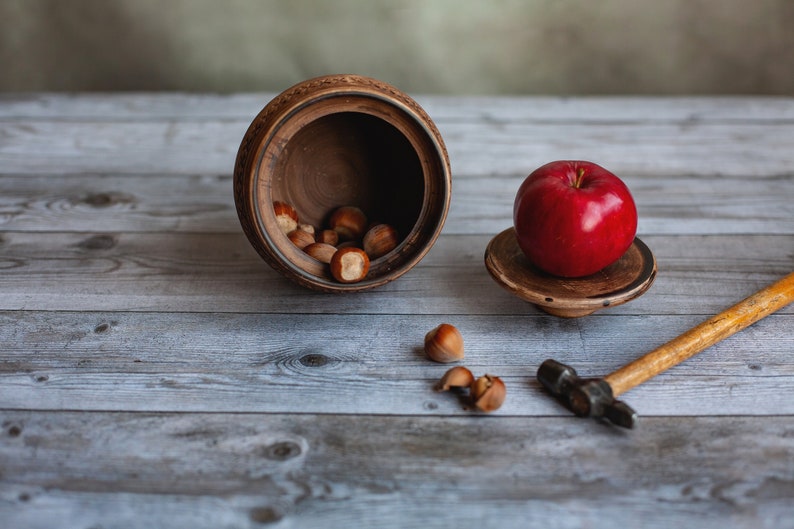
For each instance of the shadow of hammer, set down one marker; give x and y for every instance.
(595, 397)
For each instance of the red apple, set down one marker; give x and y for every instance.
(573, 218)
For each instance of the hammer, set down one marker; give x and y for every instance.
(595, 397)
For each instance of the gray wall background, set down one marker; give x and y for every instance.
(430, 46)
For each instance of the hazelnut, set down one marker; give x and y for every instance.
(300, 238)
(320, 251)
(286, 216)
(328, 237)
(349, 265)
(488, 393)
(444, 344)
(308, 228)
(349, 222)
(458, 377)
(380, 240)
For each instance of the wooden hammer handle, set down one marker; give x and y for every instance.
(742, 315)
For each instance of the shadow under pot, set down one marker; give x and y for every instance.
(342, 140)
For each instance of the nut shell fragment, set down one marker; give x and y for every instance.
(456, 377)
(488, 393)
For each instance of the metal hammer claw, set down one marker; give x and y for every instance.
(595, 397)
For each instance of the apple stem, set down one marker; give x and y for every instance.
(577, 183)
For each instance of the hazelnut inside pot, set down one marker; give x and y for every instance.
(337, 141)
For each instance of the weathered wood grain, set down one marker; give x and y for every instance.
(100, 342)
(222, 273)
(154, 371)
(367, 364)
(483, 148)
(250, 470)
(196, 106)
(668, 204)
(113, 203)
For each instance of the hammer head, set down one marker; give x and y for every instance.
(586, 397)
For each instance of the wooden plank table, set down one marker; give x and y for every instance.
(155, 372)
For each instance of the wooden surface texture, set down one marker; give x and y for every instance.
(155, 372)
